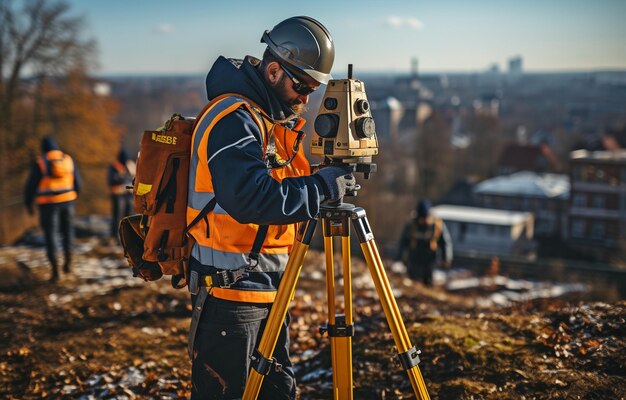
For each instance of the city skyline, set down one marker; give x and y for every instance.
(141, 36)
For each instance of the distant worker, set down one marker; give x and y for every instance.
(54, 184)
(120, 177)
(260, 108)
(422, 237)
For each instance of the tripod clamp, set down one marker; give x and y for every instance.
(338, 329)
(264, 365)
(409, 358)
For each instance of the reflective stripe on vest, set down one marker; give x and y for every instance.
(227, 247)
(247, 296)
(55, 189)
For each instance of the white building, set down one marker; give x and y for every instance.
(487, 231)
(544, 195)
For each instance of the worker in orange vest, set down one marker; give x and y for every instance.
(423, 237)
(120, 178)
(54, 184)
(247, 162)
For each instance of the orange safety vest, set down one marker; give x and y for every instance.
(432, 234)
(221, 241)
(57, 178)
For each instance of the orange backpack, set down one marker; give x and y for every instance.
(155, 241)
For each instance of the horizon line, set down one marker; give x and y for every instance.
(386, 72)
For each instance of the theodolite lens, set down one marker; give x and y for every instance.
(365, 127)
(326, 125)
(330, 103)
(362, 106)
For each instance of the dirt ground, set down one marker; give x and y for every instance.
(100, 334)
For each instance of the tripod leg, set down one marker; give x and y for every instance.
(408, 355)
(262, 361)
(340, 335)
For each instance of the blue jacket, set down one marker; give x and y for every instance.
(241, 181)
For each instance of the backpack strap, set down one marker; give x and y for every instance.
(255, 252)
(203, 213)
(169, 192)
(437, 231)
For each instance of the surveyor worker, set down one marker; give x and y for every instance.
(240, 148)
(422, 238)
(54, 184)
(120, 178)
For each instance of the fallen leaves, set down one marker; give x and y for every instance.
(102, 337)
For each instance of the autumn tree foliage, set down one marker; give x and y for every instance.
(486, 147)
(435, 158)
(45, 57)
(81, 122)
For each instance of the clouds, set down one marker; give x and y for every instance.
(404, 22)
(164, 29)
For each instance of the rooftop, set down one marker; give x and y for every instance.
(485, 216)
(521, 157)
(526, 183)
(608, 156)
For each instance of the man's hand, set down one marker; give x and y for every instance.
(337, 180)
(30, 209)
(445, 264)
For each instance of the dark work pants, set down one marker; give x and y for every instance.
(228, 333)
(421, 270)
(57, 219)
(121, 206)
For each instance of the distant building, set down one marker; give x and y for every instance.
(493, 69)
(597, 213)
(488, 104)
(486, 231)
(460, 194)
(415, 83)
(544, 195)
(395, 119)
(515, 66)
(527, 157)
(387, 113)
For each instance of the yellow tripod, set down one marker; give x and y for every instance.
(336, 222)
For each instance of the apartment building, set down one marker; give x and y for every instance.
(597, 211)
(543, 195)
(488, 232)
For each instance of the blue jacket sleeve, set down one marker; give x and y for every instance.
(445, 244)
(30, 190)
(244, 188)
(114, 177)
(78, 184)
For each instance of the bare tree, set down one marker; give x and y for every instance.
(38, 41)
(487, 143)
(41, 40)
(435, 157)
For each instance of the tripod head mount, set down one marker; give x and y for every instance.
(363, 168)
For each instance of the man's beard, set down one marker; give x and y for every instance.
(299, 109)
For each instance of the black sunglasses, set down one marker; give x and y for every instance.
(299, 87)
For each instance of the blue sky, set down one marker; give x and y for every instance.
(185, 36)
